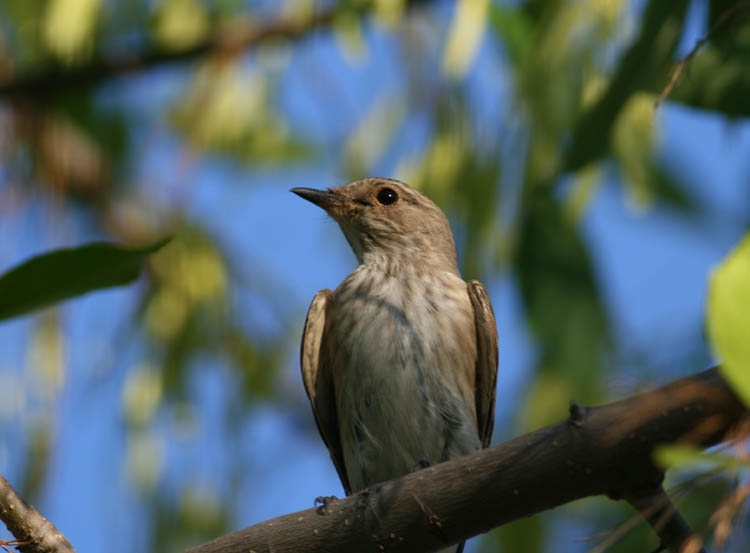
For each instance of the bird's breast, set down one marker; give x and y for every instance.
(403, 352)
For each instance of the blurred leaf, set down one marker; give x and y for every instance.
(467, 30)
(46, 358)
(66, 273)
(69, 27)
(373, 135)
(105, 125)
(142, 394)
(347, 29)
(728, 317)
(181, 24)
(561, 295)
(713, 81)
(633, 145)
(198, 511)
(227, 112)
(668, 191)
(37, 462)
(546, 402)
(583, 189)
(728, 23)
(145, 457)
(515, 28)
(687, 457)
(389, 12)
(567, 50)
(528, 535)
(647, 61)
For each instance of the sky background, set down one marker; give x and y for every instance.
(653, 266)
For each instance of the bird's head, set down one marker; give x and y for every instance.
(388, 222)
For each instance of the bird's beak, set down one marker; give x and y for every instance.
(326, 199)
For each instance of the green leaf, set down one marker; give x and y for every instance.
(683, 456)
(63, 274)
(647, 60)
(728, 317)
(467, 30)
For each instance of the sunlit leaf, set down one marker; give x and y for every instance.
(682, 456)
(145, 459)
(633, 137)
(373, 135)
(648, 59)
(181, 23)
(347, 29)
(69, 27)
(583, 189)
(389, 12)
(46, 361)
(728, 317)
(227, 111)
(467, 30)
(66, 273)
(142, 394)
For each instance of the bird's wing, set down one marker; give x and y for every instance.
(486, 369)
(318, 380)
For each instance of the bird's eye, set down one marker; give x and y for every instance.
(387, 196)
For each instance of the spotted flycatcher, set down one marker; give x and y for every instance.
(400, 361)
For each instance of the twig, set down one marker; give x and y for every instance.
(680, 67)
(33, 532)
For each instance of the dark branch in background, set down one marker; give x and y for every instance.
(682, 64)
(599, 451)
(33, 532)
(658, 510)
(229, 40)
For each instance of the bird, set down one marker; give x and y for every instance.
(400, 361)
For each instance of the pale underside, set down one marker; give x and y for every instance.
(397, 373)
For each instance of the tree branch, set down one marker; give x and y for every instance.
(603, 450)
(33, 532)
(228, 41)
(658, 510)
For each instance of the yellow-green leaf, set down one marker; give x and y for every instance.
(181, 24)
(465, 35)
(69, 27)
(728, 317)
(683, 456)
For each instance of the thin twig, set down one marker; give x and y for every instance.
(680, 67)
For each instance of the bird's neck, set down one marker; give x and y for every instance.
(398, 262)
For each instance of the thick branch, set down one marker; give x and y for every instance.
(603, 450)
(228, 40)
(35, 534)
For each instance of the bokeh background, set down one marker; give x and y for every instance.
(162, 414)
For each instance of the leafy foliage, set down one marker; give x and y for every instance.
(131, 118)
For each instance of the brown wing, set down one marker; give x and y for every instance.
(319, 382)
(486, 369)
